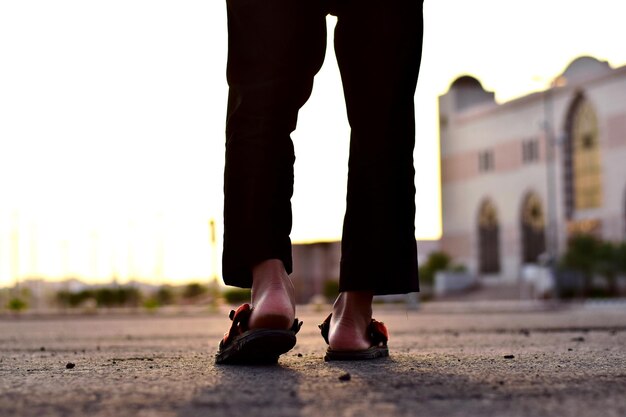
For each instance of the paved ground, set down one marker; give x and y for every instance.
(447, 360)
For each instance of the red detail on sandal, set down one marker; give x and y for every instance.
(244, 345)
(379, 334)
(240, 319)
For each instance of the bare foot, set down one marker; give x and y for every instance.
(273, 296)
(352, 313)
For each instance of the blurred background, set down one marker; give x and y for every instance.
(112, 140)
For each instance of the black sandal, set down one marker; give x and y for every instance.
(242, 345)
(378, 336)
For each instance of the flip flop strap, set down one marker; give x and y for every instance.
(325, 328)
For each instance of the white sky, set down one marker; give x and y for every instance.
(112, 121)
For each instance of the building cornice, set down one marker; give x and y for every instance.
(480, 111)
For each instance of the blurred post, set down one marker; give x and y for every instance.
(65, 259)
(15, 251)
(159, 265)
(215, 285)
(214, 277)
(552, 243)
(94, 253)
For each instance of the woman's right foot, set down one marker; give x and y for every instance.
(273, 297)
(352, 314)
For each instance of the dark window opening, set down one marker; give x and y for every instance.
(489, 239)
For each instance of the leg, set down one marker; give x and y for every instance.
(378, 47)
(275, 49)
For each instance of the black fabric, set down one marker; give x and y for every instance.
(275, 49)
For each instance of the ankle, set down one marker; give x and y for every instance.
(269, 273)
(268, 266)
(354, 304)
(270, 279)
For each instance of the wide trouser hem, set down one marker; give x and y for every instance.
(239, 274)
(387, 276)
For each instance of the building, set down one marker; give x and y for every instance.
(518, 178)
(314, 264)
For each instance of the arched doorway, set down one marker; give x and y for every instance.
(488, 239)
(533, 229)
(582, 163)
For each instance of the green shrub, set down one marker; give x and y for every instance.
(151, 304)
(104, 297)
(237, 295)
(194, 290)
(165, 295)
(582, 254)
(17, 305)
(589, 255)
(331, 289)
(73, 299)
(437, 261)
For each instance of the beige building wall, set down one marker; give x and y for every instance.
(473, 124)
(316, 263)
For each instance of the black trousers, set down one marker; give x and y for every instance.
(275, 48)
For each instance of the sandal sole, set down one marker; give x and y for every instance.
(258, 346)
(374, 352)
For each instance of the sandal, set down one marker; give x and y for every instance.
(242, 345)
(378, 335)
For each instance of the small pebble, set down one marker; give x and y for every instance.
(299, 355)
(345, 377)
(578, 339)
(43, 349)
(70, 365)
(509, 356)
(569, 349)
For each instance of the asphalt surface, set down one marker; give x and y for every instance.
(446, 360)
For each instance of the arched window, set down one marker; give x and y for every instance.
(488, 238)
(583, 170)
(533, 229)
